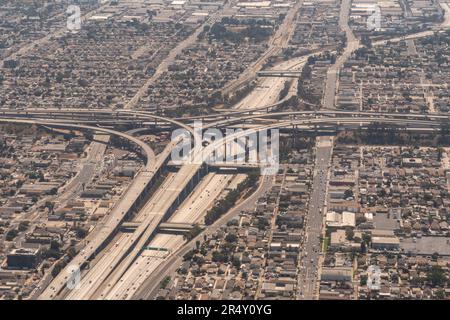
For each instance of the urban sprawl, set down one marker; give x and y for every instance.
(92, 205)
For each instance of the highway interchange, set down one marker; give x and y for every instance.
(120, 267)
(122, 263)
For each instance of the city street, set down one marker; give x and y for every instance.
(310, 258)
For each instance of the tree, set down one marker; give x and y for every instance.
(49, 205)
(349, 234)
(416, 281)
(262, 223)
(236, 262)
(360, 220)
(435, 256)
(231, 238)
(436, 276)
(54, 245)
(165, 282)
(366, 238)
(88, 135)
(363, 247)
(51, 253)
(218, 256)
(11, 234)
(348, 194)
(440, 294)
(23, 225)
(57, 268)
(363, 280)
(71, 252)
(81, 232)
(83, 82)
(189, 255)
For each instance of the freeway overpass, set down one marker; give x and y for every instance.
(90, 116)
(75, 116)
(330, 113)
(279, 74)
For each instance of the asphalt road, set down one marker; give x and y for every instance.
(309, 264)
(53, 34)
(89, 167)
(190, 211)
(443, 26)
(310, 259)
(352, 45)
(177, 50)
(268, 90)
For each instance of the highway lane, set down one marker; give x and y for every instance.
(352, 44)
(278, 41)
(191, 211)
(355, 115)
(143, 267)
(288, 64)
(223, 122)
(102, 268)
(268, 89)
(122, 256)
(150, 217)
(277, 116)
(309, 270)
(48, 114)
(151, 285)
(203, 197)
(152, 214)
(89, 166)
